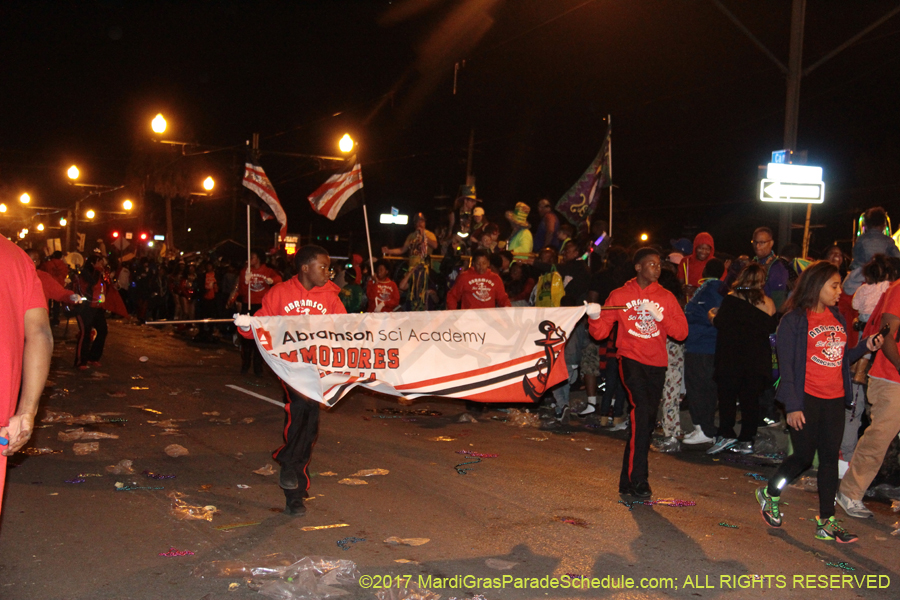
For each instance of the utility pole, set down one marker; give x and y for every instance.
(470, 177)
(792, 107)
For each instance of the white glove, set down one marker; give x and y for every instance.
(269, 280)
(242, 321)
(593, 310)
(379, 304)
(654, 310)
(76, 299)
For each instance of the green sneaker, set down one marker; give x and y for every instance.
(768, 506)
(830, 530)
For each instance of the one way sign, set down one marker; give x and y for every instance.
(781, 191)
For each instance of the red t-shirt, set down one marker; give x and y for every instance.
(472, 290)
(882, 368)
(825, 343)
(258, 286)
(385, 291)
(210, 287)
(20, 291)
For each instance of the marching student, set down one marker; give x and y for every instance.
(651, 315)
(815, 387)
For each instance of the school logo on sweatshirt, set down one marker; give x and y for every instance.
(482, 288)
(832, 351)
(644, 323)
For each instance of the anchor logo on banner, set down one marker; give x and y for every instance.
(554, 340)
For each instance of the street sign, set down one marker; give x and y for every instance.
(792, 183)
(781, 156)
(781, 191)
(394, 211)
(394, 219)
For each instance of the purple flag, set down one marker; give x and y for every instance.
(579, 202)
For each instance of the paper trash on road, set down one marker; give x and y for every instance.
(396, 541)
(124, 467)
(370, 472)
(81, 449)
(351, 481)
(182, 510)
(265, 471)
(175, 450)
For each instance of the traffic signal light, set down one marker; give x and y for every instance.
(143, 237)
(115, 235)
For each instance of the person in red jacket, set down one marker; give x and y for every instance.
(690, 271)
(91, 284)
(311, 292)
(382, 292)
(478, 287)
(58, 270)
(651, 314)
(252, 288)
(49, 284)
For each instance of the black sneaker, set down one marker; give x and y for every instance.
(287, 479)
(768, 506)
(295, 508)
(830, 530)
(641, 490)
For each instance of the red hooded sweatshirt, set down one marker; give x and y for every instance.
(690, 270)
(641, 337)
(291, 298)
(477, 291)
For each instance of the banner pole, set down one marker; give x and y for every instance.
(609, 129)
(368, 239)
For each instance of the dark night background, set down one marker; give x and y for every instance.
(695, 106)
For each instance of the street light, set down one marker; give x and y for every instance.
(346, 144)
(2, 208)
(209, 184)
(90, 214)
(25, 198)
(644, 237)
(128, 205)
(158, 124)
(23, 233)
(73, 172)
(63, 222)
(40, 227)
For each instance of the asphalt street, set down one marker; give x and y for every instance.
(546, 506)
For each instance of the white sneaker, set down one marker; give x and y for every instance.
(697, 437)
(853, 508)
(620, 426)
(590, 408)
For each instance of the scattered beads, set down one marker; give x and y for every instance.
(173, 552)
(724, 524)
(78, 480)
(661, 502)
(90, 475)
(152, 475)
(131, 488)
(840, 565)
(476, 454)
(344, 544)
(756, 476)
(466, 471)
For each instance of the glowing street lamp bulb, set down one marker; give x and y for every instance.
(40, 227)
(209, 184)
(346, 143)
(158, 123)
(73, 172)
(2, 208)
(63, 222)
(90, 214)
(128, 205)
(24, 198)
(23, 233)
(644, 237)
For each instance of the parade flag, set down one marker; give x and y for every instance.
(256, 181)
(580, 201)
(338, 195)
(486, 355)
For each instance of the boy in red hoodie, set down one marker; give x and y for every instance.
(690, 271)
(478, 287)
(311, 292)
(651, 314)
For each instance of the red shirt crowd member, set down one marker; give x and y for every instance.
(650, 315)
(91, 282)
(26, 345)
(49, 284)
(478, 287)
(57, 268)
(261, 280)
(690, 271)
(382, 292)
(311, 292)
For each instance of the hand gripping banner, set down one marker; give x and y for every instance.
(487, 355)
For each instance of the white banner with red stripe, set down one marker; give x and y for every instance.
(488, 355)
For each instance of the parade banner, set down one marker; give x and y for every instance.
(487, 355)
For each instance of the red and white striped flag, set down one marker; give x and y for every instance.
(256, 181)
(333, 198)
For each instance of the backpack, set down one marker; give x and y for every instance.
(550, 289)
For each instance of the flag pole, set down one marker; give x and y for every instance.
(249, 276)
(609, 130)
(366, 219)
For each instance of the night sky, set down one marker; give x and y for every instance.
(695, 106)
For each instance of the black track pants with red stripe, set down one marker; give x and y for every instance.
(644, 387)
(301, 428)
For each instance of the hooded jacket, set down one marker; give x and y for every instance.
(690, 271)
(473, 290)
(640, 336)
(291, 298)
